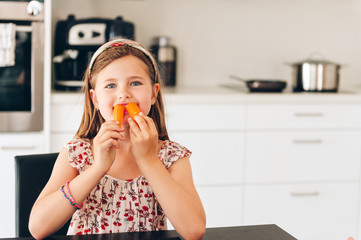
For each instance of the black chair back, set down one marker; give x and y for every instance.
(32, 173)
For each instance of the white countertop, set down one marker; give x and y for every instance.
(202, 94)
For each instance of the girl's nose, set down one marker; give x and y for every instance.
(123, 94)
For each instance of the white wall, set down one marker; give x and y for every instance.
(249, 38)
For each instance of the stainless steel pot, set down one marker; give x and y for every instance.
(316, 76)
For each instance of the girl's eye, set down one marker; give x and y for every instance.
(111, 85)
(135, 83)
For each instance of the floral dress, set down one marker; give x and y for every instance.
(116, 205)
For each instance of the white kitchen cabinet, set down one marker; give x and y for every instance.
(217, 157)
(307, 211)
(296, 156)
(213, 132)
(65, 121)
(303, 116)
(222, 204)
(205, 116)
(216, 139)
(302, 168)
(10, 146)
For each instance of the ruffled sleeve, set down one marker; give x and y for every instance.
(171, 152)
(78, 153)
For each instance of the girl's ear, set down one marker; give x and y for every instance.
(93, 97)
(156, 88)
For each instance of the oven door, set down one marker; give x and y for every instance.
(21, 84)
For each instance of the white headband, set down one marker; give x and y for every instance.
(123, 42)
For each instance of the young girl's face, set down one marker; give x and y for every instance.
(124, 80)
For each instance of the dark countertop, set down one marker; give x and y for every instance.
(256, 232)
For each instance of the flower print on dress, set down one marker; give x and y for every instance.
(116, 205)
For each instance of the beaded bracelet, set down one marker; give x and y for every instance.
(70, 198)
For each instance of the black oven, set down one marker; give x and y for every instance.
(21, 66)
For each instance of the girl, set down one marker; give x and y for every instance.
(126, 178)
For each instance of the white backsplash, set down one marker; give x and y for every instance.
(249, 38)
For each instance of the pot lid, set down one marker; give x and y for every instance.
(316, 61)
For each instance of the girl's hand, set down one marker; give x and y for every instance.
(144, 138)
(105, 144)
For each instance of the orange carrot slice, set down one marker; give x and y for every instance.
(118, 113)
(133, 109)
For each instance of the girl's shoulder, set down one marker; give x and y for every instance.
(79, 151)
(171, 151)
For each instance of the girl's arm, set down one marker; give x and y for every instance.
(177, 195)
(174, 187)
(52, 210)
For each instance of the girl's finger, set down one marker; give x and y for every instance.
(134, 128)
(142, 123)
(109, 127)
(150, 122)
(150, 129)
(112, 143)
(110, 134)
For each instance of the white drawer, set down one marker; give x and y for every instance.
(223, 205)
(307, 211)
(22, 143)
(205, 116)
(303, 116)
(302, 156)
(66, 117)
(217, 157)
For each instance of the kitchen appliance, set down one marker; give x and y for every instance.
(313, 75)
(75, 42)
(258, 85)
(21, 66)
(166, 55)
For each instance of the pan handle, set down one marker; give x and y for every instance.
(238, 78)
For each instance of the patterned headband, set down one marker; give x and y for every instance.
(123, 42)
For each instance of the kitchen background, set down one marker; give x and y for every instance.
(249, 38)
(285, 158)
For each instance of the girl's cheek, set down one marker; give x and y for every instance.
(145, 107)
(106, 114)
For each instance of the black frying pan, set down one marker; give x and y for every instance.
(257, 85)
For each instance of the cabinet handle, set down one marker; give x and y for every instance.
(16, 148)
(305, 194)
(307, 141)
(24, 28)
(316, 114)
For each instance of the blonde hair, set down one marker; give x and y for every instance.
(92, 119)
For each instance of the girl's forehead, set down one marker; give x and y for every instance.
(124, 66)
